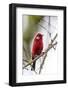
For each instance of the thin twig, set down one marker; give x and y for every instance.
(30, 65)
(45, 29)
(25, 60)
(49, 23)
(54, 38)
(41, 66)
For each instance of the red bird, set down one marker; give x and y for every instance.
(37, 47)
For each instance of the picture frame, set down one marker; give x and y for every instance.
(18, 14)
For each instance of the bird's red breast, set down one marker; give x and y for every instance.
(37, 45)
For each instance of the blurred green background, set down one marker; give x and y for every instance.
(29, 33)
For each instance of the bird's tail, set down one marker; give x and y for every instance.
(33, 66)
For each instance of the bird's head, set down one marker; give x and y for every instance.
(39, 36)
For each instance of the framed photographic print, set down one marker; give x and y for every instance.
(37, 44)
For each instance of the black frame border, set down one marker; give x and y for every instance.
(12, 44)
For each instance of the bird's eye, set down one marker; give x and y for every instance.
(37, 38)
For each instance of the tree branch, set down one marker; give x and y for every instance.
(51, 45)
(41, 66)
